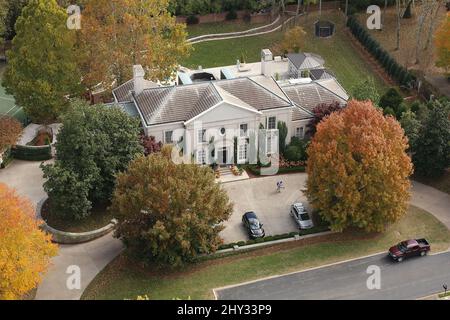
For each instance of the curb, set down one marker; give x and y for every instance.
(294, 272)
(63, 237)
(271, 243)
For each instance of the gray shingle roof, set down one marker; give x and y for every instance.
(318, 74)
(253, 93)
(301, 114)
(123, 92)
(181, 103)
(305, 60)
(309, 95)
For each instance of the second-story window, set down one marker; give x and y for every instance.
(168, 136)
(201, 136)
(271, 123)
(243, 130)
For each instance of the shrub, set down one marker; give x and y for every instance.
(247, 17)
(397, 72)
(231, 15)
(192, 19)
(6, 158)
(393, 100)
(293, 153)
(31, 153)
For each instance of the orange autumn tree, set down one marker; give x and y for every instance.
(25, 250)
(10, 130)
(442, 42)
(117, 34)
(358, 169)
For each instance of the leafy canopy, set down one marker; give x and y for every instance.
(358, 169)
(321, 111)
(432, 154)
(169, 213)
(117, 34)
(25, 250)
(10, 130)
(366, 90)
(93, 145)
(42, 69)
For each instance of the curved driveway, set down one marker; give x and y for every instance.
(93, 256)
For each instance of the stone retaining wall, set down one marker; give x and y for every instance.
(63, 237)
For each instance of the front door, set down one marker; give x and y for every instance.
(222, 158)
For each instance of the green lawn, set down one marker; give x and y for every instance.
(125, 280)
(338, 52)
(226, 52)
(220, 27)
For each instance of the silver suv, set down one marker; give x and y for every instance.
(301, 216)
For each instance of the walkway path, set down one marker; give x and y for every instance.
(432, 200)
(278, 24)
(90, 257)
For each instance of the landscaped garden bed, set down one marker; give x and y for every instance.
(43, 137)
(99, 217)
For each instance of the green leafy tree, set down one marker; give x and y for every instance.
(358, 169)
(169, 213)
(42, 69)
(366, 90)
(411, 125)
(392, 99)
(432, 155)
(94, 144)
(68, 193)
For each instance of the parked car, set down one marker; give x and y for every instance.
(408, 248)
(253, 225)
(301, 216)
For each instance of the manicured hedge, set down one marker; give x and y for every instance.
(316, 229)
(6, 158)
(32, 153)
(256, 170)
(395, 70)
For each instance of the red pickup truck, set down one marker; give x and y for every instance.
(408, 248)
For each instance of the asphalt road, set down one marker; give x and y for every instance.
(411, 279)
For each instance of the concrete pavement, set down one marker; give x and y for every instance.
(90, 257)
(260, 195)
(432, 200)
(255, 194)
(26, 177)
(411, 279)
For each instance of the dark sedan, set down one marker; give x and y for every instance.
(253, 225)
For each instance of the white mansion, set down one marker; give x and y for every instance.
(211, 110)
